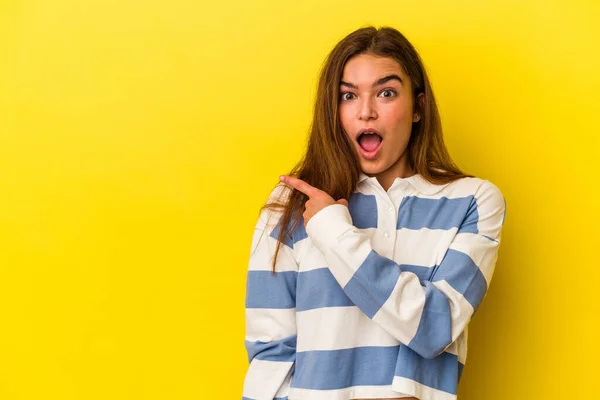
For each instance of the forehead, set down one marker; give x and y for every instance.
(364, 69)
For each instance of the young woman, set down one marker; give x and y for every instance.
(372, 255)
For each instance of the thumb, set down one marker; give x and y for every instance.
(343, 202)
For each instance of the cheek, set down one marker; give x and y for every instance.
(398, 114)
(398, 121)
(346, 118)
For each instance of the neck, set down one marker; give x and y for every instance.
(399, 170)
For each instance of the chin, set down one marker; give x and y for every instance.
(372, 167)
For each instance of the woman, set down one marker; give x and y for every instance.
(388, 248)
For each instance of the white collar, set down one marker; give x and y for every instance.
(417, 181)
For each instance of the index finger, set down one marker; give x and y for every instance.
(300, 185)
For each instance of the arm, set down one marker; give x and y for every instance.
(426, 316)
(270, 314)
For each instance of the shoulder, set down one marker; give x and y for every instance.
(459, 188)
(270, 219)
(280, 193)
(269, 216)
(487, 198)
(479, 188)
(488, 194)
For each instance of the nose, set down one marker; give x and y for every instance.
(366, 110)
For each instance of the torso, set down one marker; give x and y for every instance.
(411, 228)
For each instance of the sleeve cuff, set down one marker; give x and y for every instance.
(326, 226)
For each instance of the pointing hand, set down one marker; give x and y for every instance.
(317, 199)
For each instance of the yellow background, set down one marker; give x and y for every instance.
(139, 138)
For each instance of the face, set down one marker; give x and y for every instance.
(376, 98)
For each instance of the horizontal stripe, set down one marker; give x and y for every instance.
(345, 253)
(441, 373)
(311, 258)
(318, 288)
(424, 247)
(277, 350)
(291, 237)
(401, 313)
(268, 324)
(457, 189)
(460, 308)
(423, 273)
(443, 213)
(471, 220)
(368, 366)
(337, 369)
(265, 289)
(480, 249)
(490, 199)
(457, 290)
(287, 238)
(415, 389)
(353, 392)
(363, 209)
(434, 332)
(438, 251)
(267, 379)
(463, 275)
(459, 346)
(373, 283)
(323, 328)
(263, 250)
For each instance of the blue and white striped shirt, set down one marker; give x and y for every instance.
(371, 300)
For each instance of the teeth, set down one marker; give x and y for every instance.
(369, 133)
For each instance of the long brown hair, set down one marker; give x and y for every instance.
(331, 162)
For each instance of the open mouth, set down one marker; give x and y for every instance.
(369, 143)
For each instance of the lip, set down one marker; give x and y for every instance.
(369, 155)
(363, 130)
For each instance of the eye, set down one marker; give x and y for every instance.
(388, 93)
(346, 96)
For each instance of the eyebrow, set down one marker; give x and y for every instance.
(379, 81)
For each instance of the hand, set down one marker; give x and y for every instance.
(317, 199)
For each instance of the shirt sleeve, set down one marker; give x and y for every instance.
(429, 315)
(270, 313)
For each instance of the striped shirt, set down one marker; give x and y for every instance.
(371, 300)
